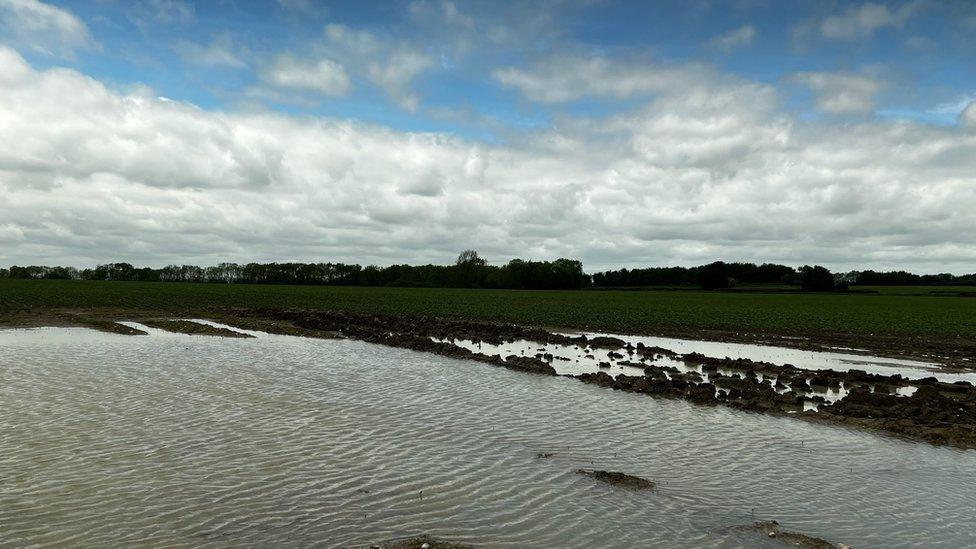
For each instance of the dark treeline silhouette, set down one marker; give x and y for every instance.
(902, 278)
(726, 275)
(472, 271)
(714, 275)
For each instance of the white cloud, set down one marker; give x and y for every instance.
(395, 74)
(221, 52)
(968, 116)
(858, 22)
(323, 76)
(717, 170)
(567, 78)
(44, 28)
(390, 65)
(742, 36)
(842, 93)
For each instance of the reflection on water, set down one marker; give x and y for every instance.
(187, 441)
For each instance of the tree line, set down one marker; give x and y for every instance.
(472, 271)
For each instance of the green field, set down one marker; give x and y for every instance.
(890, 312)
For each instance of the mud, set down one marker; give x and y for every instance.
(615, 478)
(420, 542)
(112, 327)
(277, 327)
(75, 319)
(771, 529)
(192, 328)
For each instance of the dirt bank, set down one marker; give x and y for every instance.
(192, 328)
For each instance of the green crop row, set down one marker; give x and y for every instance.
(888, 312)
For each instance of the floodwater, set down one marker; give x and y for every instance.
(574, 360)
(170, 440)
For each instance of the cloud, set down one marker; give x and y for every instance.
(323, 76)
(742, 36)
(568, 78)
(858, 22)
(44, 28)
(842, 93)
(388, 64)
(717, 170)
(221, 52)
(968, 116)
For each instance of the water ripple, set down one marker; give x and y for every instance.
(180, 441)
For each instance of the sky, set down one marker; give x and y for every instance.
(618, 133)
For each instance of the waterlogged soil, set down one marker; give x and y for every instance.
(616, 478)
(422, 542)
(936, 411)
(112, 327)
(926, 409)
(192, 328)
(771, 530)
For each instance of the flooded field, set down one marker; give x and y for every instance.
(178, 440)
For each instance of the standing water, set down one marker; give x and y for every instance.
(187, 441)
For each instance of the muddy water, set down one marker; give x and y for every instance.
(187, 441)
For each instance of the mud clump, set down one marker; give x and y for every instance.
(942, 413)
(605, 342)
(772, 530)
(192, 328)
(420, 542)
(615, 478)
(526, 364)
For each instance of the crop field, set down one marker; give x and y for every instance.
(886, 313)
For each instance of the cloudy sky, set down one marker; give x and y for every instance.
(617, 133)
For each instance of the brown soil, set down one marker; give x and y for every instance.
(192, 328)
(419, 542)
(270, 326)
(614, 478)
(73, 319)
(113, 327)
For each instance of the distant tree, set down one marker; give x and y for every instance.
(471, 271)
(816, 278)
(470, 257)
(715, 275)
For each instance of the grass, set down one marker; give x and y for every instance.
(890, 312)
